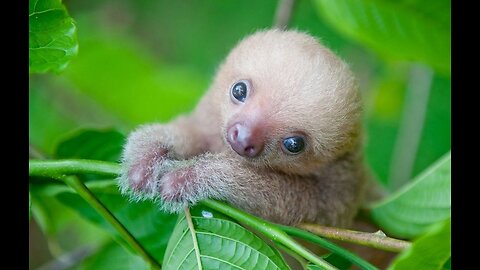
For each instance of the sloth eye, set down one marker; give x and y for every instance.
(294, 144)
(239, 91)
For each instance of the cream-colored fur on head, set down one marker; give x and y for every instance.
(296, 86)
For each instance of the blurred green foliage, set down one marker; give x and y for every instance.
(143, 61)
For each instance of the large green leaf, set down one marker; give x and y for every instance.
(411, 30)
(429, 252)
(412, 209)
(52, 36)
(92, 144)
(144, 220)
(223, 244)
(113, 256)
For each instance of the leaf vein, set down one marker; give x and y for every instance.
(185, 258)
(243, 243)
(176, 244)
(220, 260)
(44, 11)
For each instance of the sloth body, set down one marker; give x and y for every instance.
(277, 134)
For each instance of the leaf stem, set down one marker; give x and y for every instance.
(269, 230)
(188, 216)
(375, 240)
(328, 245)
(59, 170)
(49, 168)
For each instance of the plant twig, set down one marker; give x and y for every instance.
(269, 230)
(283, 13)
(353, 258)
(376, 240)
(188, 216)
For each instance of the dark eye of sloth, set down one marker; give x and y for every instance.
(294, 144)
(239, 91)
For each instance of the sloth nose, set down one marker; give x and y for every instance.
(245, 140)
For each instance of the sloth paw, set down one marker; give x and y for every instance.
(144, 172)
(178, 185)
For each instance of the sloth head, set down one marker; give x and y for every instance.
(287, 102)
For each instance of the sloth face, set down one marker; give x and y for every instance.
(287, 102)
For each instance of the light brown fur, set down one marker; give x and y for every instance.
(297, 85)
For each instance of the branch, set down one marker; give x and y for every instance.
(353, 258)
(376, 240)
(283, 13)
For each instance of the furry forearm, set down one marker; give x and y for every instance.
(281, 198)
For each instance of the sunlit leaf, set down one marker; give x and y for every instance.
(411, 210)
(412, 30)
(429, 252)
(52, 36)
(223, 244)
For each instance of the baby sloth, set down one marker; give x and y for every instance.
(278, 134)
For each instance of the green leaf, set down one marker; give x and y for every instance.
(113, 256)
(429, 252)
(338, 261)
(411, 30)
(144, 220)
(335, 260)
(95, 144)
(223, 244)
(412, 209)
(52, 36)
